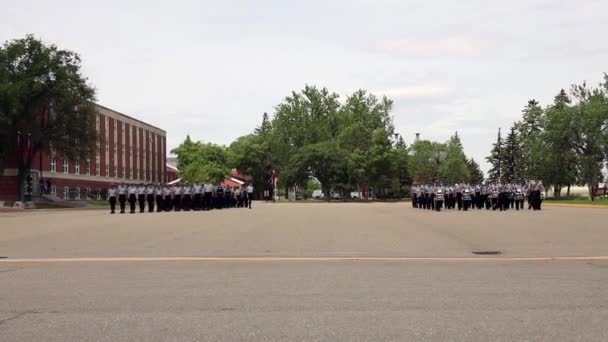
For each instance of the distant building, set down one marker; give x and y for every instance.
(128, 150)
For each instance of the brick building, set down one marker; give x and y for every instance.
(128, 150)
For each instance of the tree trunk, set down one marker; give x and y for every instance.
(568, 193)
(591, 189)
(557, 191)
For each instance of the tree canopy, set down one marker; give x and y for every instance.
(44, 99)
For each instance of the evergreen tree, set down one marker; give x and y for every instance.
(512, 168)
(454, 168)
(496, 158)
(475, 173)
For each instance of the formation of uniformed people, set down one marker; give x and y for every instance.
(490, 196)
(178, 197)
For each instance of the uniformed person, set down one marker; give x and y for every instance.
(150, 197)
(132, 191)
(249, 190)
(187, 196)
(219, 197)
(168, 202)
(122, 196)
(112, 198)
(207, 196)
(158, 191)
(141, 197)
(177, 197)
(197, 190)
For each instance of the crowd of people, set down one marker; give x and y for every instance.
(178, 197)
(490, 196)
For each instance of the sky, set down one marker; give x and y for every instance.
(212, 68)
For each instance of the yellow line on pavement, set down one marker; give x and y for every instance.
(301, 259)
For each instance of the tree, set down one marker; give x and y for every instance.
(560, 156)
(530, 131)
(453, 168)
(425, 160)
(400, 160)
(324, 161)
(202, 162)
(512, 167)
(496, 158)
(475, 173)
(45, 103)
(589, 130)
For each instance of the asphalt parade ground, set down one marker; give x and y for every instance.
(305, 272)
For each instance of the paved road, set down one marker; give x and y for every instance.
(325, 300)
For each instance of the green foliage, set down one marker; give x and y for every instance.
(426, 160)
(496, 158)
(475, 173)
(202, 162)
(43, 93)
(565, 144)
(453, 168)
(512, 166)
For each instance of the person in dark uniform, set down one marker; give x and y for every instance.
(122, 197)
(228, 198)
(219, 197)
(197, 190)
(141, 197)
(187, 197)
(132, 190)
(112, 198)
(150, 197)
(158, 192)
(168, 203)
(207, 196)
(177, 197)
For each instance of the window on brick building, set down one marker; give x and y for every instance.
(88, 194)
(107, 145)
(53, 190)
(66, 166)
(115, 171)
(66, 192)
(98, 194)
(124, 172)
(87, 168)
(107, 170)
(53, 165)
(97, 171)
(77, 167)
(77, 192)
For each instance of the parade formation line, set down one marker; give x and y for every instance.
(294, 259)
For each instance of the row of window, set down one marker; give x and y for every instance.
(97, 173)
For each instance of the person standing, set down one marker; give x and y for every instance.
(187, 196)
(197, 190)
(150, 197)
(122, 196)
(141, 197)
(249, 190)
(177, 197)
(112, 198)
(219, 197)
(132, 191)
(207, 196)
(158, 190)
(168, 203)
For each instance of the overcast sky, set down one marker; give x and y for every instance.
(211, 68)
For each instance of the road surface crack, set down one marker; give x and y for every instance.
(17, 316)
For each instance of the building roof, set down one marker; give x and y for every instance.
(127, 116)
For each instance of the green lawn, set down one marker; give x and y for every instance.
(578, 200)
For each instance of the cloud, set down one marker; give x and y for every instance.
(445, 47)
(414, 91)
